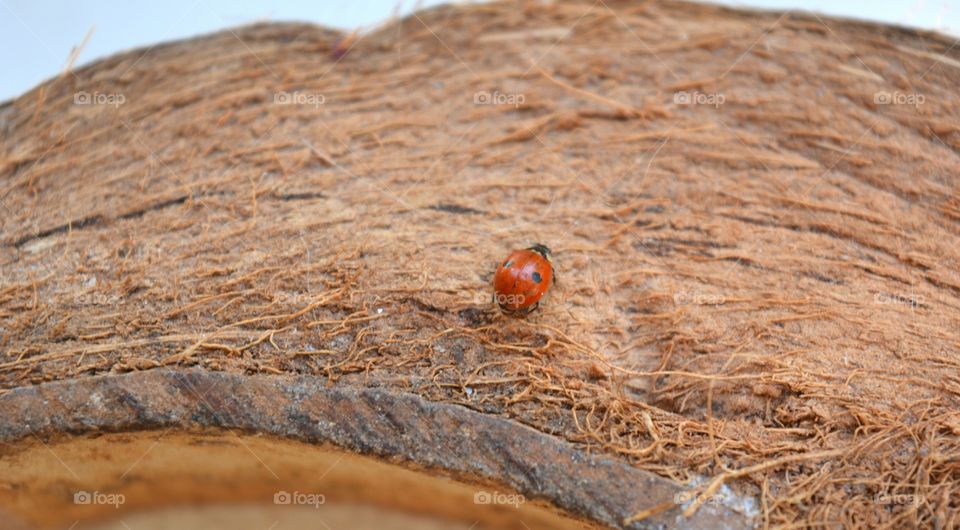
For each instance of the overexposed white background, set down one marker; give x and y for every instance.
(37, 36)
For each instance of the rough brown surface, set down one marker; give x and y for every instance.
(759, 288)
(395, 427)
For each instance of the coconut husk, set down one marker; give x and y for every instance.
(754, 219)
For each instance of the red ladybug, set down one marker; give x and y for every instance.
(523, 278)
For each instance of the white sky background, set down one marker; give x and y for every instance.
(36, 36)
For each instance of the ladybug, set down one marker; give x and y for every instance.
(523, 278)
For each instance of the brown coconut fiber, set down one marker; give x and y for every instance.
(755, 219)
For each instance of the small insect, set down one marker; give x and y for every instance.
(343, 45)
(523, 278)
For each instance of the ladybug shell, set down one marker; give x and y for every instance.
(522, 279)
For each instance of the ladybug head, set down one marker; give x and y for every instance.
(541, 249)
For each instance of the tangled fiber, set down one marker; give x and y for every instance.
(755, 218)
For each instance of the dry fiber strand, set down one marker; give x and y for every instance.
(755, 218)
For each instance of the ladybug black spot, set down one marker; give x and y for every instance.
(536, 277)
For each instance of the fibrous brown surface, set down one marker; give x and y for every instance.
(439, 441)
(755, 218)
